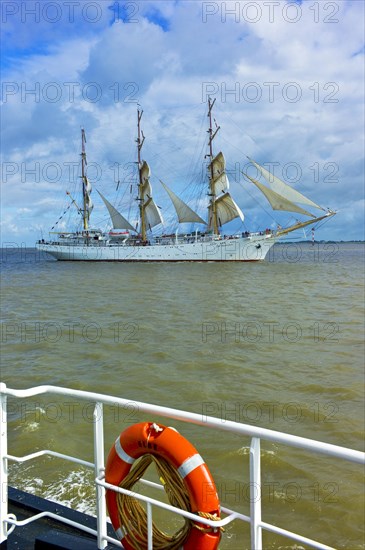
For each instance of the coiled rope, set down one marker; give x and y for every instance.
(133, 516)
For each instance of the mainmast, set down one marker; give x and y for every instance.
(86, 187)
(85, 213)
(212, 192)
(141, 199)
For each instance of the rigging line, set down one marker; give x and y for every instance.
(177, 173)
(244, 134)
(258, 203)
(234, 147)
(196, 186)
(192, 185)
(60, 218)
(191, 169)
(323, 222)
(204, 142)
(164, 161)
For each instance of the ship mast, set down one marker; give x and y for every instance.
(210, 155)
(85, 213)
(140, 141)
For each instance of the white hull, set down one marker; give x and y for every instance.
(243, 249)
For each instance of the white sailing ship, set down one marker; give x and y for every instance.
(128, 243)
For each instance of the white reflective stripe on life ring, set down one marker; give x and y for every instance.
(122, 454)
(189, 465)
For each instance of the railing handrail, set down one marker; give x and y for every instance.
(195, 418)
(256, 434)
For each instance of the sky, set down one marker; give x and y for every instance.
(287, 77)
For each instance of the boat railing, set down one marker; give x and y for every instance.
(163, 240)
(9, 522)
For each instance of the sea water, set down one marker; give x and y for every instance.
(277, 344)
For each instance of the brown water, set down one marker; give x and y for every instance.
(277, 344)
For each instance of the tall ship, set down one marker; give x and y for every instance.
(125, 242)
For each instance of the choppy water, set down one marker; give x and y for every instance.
(277, 344)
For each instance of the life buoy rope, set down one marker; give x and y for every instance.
(186, 480)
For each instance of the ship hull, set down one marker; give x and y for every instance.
(230, 249)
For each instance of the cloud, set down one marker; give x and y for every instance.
(288, 90)
(33, 27)
(122, 64)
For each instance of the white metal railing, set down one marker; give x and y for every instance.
(256, 433)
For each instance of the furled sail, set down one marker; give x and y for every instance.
(226, 210)
(284, 189)
(183, 211)
(151, 210)
(278, 202)
(118, 221)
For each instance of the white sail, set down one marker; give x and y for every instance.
(278, 202)
(88, 202)
(118, 221)
(183, 211)
(151, 210)
(88, 187)
(283, 189)
(152, 213)
(219, 182)
(227, 210)
(225, 206)
(145, 178)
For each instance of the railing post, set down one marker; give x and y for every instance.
(149, 527)
(3, 466)
(255, 494)
(99, 470)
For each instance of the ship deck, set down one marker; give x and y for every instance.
(47, 533)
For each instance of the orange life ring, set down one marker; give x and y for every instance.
(165, 442)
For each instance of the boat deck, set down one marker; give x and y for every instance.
(48, 533)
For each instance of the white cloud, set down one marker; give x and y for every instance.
(287, 92)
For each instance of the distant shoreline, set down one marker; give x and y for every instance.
(318, 242)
